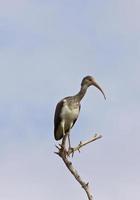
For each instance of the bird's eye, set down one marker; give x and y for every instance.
(90, 79)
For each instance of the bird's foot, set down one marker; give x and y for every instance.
(62, 151)
(71, 151)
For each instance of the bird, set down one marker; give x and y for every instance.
(68, 109)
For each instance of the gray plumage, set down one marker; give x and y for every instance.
(67, 110)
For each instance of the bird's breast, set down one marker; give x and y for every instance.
(69, 114)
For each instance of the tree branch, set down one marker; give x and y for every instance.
(64, 153)
(82, 144)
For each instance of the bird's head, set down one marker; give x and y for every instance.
(88, 81)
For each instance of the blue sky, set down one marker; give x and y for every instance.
(46, 48)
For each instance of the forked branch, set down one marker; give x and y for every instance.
(64, 154)
(82, 144)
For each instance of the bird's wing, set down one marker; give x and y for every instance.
(77, 117)
(57, 119)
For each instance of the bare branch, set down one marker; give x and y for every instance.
(64, 153)
(81, 144)
(74, 172)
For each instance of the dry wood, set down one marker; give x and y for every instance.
(64, 154)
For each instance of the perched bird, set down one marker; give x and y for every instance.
(67, 110)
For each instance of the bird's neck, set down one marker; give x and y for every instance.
(82, 92)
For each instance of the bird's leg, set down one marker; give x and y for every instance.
(63, 150)
(70, 149)
(63, 144)
(65, 135)
(69, 140)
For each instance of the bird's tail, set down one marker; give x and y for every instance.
(58, 134)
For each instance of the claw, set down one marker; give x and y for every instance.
(57, 147)
(61, 150)
(56, 153)
(71, 151)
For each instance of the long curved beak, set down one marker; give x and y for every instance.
(97, 86)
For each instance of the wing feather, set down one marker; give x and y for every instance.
(57, 120)
(77, 117)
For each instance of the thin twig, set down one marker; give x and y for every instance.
(82, 144)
